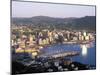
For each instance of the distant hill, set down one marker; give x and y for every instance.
(84, 23)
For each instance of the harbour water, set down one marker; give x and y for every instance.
(87, 52)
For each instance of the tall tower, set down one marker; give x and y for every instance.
(30, 40)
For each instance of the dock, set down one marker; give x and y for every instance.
(62, 54)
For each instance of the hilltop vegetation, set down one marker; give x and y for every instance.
(83, 23)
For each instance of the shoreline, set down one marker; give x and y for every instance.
(35, 68)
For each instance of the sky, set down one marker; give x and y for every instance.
(31, 9)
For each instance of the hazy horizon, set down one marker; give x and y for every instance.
(32, 9)
(48, 16)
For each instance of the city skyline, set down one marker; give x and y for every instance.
(31, 9)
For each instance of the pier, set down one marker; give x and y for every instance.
(61, 54)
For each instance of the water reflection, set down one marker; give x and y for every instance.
(84, 50)
(87, 55)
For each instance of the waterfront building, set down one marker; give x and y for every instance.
(65, 39)
(40, 41)
(24, 36)
(44, 42)
(80, 35)
(84, 34)
(40, 34)
(47, 41)
(75, 38)
(50, 36)
(31, 42)
(22, 44)
(18, 40)
(30, 38)
(82, 38)
(91, 36)
(87, 37)
(68, 35)
(55, 36)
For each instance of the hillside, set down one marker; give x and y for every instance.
(83, 23)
